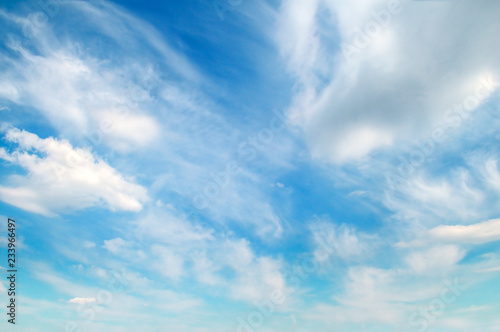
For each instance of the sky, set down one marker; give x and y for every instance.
(251, 166)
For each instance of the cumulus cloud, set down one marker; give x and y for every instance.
(399, 82)
(62, 178)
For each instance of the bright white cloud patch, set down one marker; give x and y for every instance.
(341, 241)
(62, 178)
(484, 232)
(373, 73)
(82, 300)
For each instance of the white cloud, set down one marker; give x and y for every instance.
(356, 143)
(491, 174)
(140, 298)
(431, 200)
(62, 178)
(341, 241)
(375, 296)
(180, 249)
(298, 36)
(437, 260)
(82, 300)
(367, 295)
(250, 210)
(205, 269)
(127, 130)
(82, 94)
(75, 93)
(135, 95)
(116, 23)
(484, 232)
(115, 246)
(395, 87)
(256, 277)
(167, 262)
(444, 207)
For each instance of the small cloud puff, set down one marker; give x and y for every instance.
(82, 300)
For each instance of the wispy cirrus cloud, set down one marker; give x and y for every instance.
(342, 241)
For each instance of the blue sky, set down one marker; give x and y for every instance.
(238, 165)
